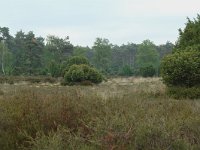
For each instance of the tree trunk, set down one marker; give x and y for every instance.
(2, 59)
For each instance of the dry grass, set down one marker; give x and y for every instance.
(119, 114)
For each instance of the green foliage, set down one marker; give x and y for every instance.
(181, 68)
(190, 35)
(165, 49)
(6, 60)
(75, 60)
(184, 92)
(54, 69)
(147, 56)
(122, 56)
(28, 55)
(81, 51)
(80, 73)
(59, 48)
(126, 71)
(148, 71)
(102, 54)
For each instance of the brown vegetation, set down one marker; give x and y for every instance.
(119, 114)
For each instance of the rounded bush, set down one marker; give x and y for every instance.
(81, 73)
(75, 60)
(181, 68)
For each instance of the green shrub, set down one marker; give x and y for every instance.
(80, 73)
(181, 69)
(184, 92)
(75, 60)
(148, 71)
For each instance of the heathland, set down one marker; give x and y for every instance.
(122, 113)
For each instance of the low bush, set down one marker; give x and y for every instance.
(75, 60)
(82, 73)
(184, 92)
(181, 73)
(181, 68)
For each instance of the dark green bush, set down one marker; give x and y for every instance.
(148, 71)
(80, 73)
(181, 68)
(184, 92)
(75, 60)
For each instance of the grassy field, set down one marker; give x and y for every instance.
(123, 113)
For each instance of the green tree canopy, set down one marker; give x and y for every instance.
(102, 54)
(147, 55)
(29, 50)
(190, 35)
(59, 48)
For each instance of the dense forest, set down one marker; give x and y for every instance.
(28, 55)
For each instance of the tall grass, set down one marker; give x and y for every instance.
(128, 114)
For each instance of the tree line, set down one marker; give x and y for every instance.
(29, 55)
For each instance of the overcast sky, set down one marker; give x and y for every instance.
(121, 21)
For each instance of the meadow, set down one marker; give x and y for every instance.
(122, 114)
